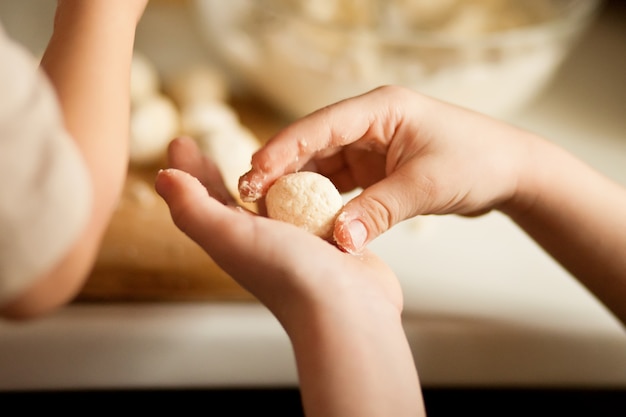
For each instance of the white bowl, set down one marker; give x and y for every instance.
(493, 56)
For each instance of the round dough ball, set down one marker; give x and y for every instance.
(198, 84)
(144, 79)
(153, 124)
(306, 199)
(199, 118)
(231, 149)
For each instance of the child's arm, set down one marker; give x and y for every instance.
(578, 216)
(341, 312)
(88, 62)
(414, 155)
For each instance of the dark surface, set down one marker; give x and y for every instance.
(286, 402)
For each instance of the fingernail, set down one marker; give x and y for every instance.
(358, 234)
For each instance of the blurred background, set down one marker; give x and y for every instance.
(491, 55)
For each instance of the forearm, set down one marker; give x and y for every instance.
(355, 362)
(579, 217)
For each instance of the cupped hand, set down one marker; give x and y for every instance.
(286, 268)
(410, 154)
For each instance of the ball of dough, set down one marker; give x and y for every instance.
(153, 124)
(197, 84)
(199, 118)
(144, 79)
(231, 149)
(306, 199)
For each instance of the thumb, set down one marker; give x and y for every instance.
(374, 211)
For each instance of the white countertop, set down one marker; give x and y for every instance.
(484, 305)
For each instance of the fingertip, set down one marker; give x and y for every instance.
(252, 186)
(188, 201)
(172, 181)
(278, 156)
(248, 190)
(163, 182)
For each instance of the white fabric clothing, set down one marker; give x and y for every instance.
(45, 192)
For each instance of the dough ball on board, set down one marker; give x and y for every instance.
(306, 199)
(144, 79)
(205, 117)
(198, 84)
(231, 149)
(153, 124)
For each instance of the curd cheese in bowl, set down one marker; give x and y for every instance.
(493, 56)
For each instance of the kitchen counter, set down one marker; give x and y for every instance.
(485, 306)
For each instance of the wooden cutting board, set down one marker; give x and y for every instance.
(144, 257)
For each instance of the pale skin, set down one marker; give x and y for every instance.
(88, 63)
(414, 155)
(342, 315)
(411, 155)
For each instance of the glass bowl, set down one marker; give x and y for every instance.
(493, 56)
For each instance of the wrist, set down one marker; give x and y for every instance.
(355, 345)
(335, 310)
(531, 160)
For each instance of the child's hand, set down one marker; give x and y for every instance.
(342, 312)
(271, 259)
(412, 155)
